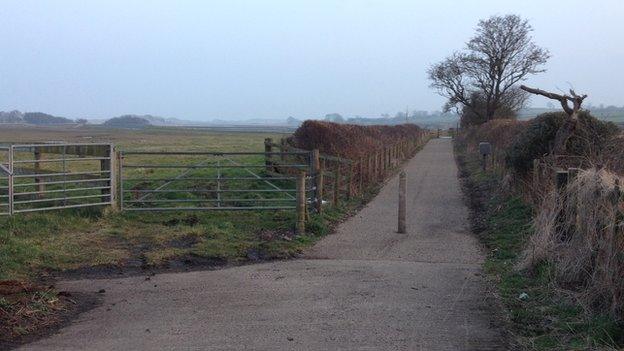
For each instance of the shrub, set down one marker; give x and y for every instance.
(588, 139)
(349, 140)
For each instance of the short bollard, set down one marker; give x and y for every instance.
(402, 202)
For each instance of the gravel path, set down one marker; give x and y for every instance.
(364, 288)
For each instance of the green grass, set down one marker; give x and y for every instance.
(547, 318)
(34, 244)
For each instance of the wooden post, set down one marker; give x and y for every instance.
(573, 201)
(561, 182)
(360, 179)
(283, 150)
(350, 182)
(120, 188)
(402, 202)
(318, 178)
(369, 169)
(375, 175)
(336, 185)
(301, 204)
(37, 168)
(268, 148)
(117, 189)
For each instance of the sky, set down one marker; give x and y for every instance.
(203, 60)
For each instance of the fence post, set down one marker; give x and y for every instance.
(113, 177)
(361, 173)
(369, 169)
(37, 169)
(283, 150)
(336, 185)
(318, 178)
(573, 202)
(268, 148)
(374, 175)
(120, 180)
(402, 202)
(350, 193)
(301, 204)
(561, 182)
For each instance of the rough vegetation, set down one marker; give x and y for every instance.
(565, 253)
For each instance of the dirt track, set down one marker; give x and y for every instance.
(364, 288)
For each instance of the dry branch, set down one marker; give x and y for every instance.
(577, 100)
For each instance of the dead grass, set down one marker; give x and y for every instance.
(580, 232)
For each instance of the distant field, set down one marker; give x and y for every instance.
(168, 138)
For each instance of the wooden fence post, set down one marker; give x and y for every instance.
(369, 169)
(301, 204)
(283, 150)
(402, 202)
(573, 201)
(114, 178)
(561, 182)
(360, 178)
(336, 185)
(318, 178)
(268, 148)
(375, 175)
(350, 182)
(118, 193)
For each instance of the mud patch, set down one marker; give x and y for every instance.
(29, 312)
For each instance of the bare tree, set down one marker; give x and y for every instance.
(500, 55)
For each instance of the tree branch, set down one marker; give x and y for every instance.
(563, 99)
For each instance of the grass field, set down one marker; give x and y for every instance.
(34, 245)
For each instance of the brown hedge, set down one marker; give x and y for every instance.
(349, 140)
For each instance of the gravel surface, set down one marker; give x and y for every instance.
(364, 288)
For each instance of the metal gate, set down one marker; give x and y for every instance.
(39, 177)
(209, 181)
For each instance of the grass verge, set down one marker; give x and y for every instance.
(541, 315)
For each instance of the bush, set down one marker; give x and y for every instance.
(588, 139)
(349, 140)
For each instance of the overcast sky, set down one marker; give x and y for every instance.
(273, 59)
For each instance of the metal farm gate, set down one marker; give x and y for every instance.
(211, 181)
(40, 177)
